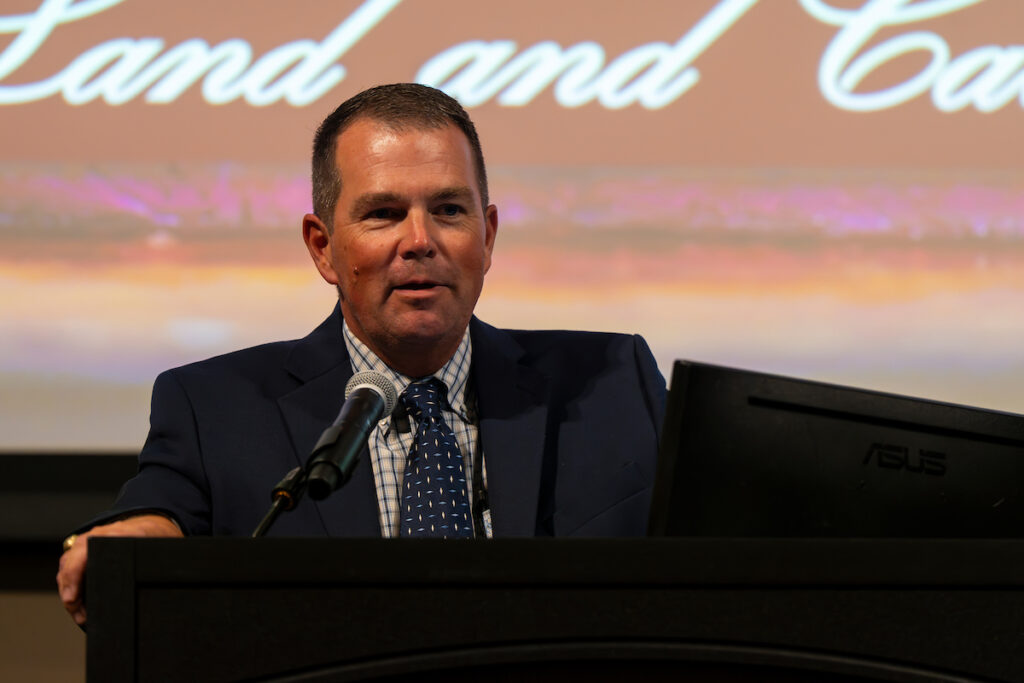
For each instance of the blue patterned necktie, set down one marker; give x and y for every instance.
(435, 503)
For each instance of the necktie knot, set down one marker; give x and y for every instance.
(424, 398)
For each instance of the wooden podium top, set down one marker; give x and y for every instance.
(210, 609)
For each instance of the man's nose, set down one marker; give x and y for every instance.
(417, 236)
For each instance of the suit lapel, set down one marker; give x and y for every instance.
(320, 362)
(511, 404)
(512, 407)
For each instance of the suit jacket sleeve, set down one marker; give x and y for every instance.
(225, 430)
(171, 479)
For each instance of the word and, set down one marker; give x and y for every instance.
(654, 74)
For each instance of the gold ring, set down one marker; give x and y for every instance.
(70, 541)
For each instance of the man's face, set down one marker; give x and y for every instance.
(411, 242)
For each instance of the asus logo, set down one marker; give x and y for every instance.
(895, 457)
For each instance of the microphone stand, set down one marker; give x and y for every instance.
(285, 497)
(324, 472)
(368, 397)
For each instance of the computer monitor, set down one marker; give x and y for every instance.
(751, 454)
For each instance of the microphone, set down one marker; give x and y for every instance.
(369, 397)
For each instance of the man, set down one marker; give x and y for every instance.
(553, 433)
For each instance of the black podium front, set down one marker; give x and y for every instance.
(533, 609)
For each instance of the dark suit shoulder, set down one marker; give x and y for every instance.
(544, 340)
(254, 360)
(577, 350)
(581, 357)
(252, 374)
(320, 351)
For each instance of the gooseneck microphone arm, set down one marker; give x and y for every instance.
(369, 397)
(284, 497)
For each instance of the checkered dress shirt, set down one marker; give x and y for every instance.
(389, 447)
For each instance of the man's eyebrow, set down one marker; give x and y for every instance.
(372, 200)
(460, 192)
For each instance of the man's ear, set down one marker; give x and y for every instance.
(490, 233)
(318, 241)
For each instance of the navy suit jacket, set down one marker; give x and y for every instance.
(569, 424)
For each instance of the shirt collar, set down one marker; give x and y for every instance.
(454, 373)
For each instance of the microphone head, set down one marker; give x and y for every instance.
(378, 383)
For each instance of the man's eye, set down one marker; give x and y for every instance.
(381, 214)
(449, 210)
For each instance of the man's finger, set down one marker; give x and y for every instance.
(71, 568)
(70, 574)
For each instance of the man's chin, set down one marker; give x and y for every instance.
(424, 328)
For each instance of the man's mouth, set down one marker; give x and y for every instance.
(414, 286)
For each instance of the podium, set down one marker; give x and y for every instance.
(794, 610)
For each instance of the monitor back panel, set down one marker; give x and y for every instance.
(750, 454)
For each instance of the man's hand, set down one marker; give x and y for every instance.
(71, 575)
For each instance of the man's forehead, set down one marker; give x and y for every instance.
(370, 152)
(371, 125)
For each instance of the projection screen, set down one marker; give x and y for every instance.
(820, 188)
